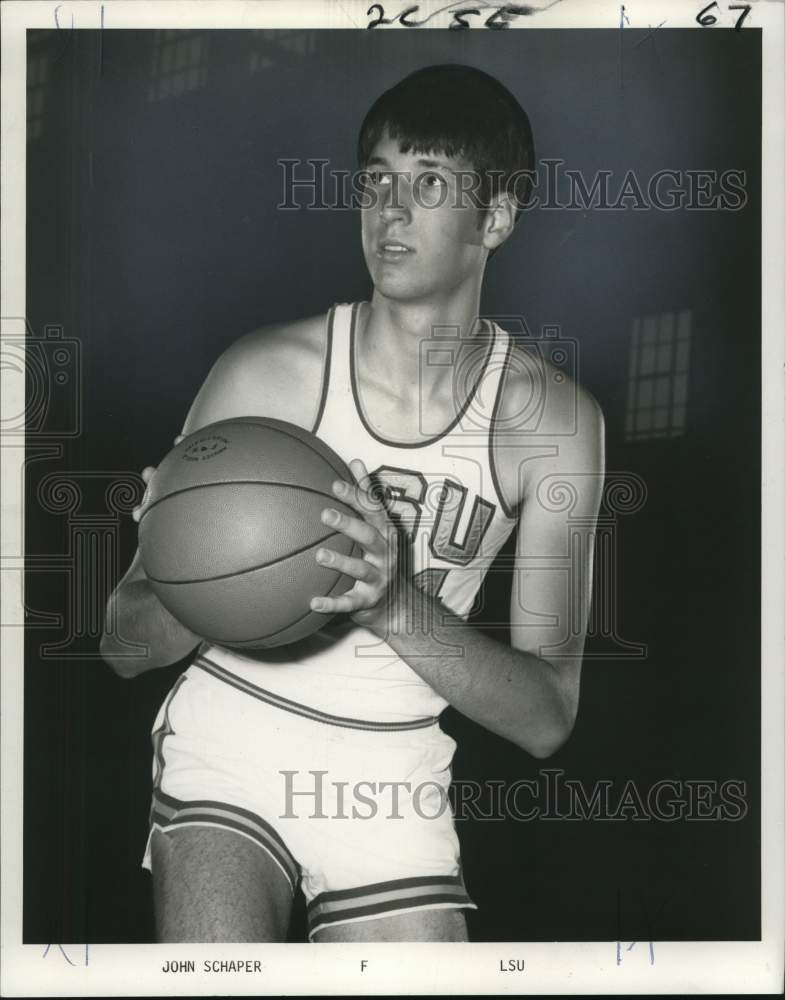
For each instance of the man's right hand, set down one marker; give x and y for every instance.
(139, 619)
(147, 475)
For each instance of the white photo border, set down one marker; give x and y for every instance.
(461, 969)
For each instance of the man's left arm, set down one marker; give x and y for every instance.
(526, 692)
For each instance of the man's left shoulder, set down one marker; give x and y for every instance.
(547, 424)
(540, 400)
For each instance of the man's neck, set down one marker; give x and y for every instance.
(394, 334)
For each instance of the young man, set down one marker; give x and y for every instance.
(260, 761)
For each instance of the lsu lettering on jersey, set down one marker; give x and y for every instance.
(441, 492)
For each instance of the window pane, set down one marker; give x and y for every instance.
(644, 420)
(647, 361)
(645, 392)
(662, 391)
(682, 355)
(664, 357)
(667, 327)
(680, 389)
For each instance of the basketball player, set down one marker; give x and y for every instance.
(323, 764)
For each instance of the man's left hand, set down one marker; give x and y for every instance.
(367, 601)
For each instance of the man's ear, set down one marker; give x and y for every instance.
(499, 221)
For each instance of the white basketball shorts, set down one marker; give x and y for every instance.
(355, 811)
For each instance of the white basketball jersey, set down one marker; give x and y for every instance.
(443, 495)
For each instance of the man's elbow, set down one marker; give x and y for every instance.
(124, 666)
(551, 739)
(547, 746)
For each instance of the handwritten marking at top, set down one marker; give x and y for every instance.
(500, 17)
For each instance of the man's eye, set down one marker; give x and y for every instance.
(379, 177)
(432, 180)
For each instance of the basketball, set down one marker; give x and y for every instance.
(231, 528)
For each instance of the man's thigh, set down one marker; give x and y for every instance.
(424, 925)
(213, 885)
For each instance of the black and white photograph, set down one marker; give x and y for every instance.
(392, 490)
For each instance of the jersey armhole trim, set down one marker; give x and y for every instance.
(326, 371)
(510, 513)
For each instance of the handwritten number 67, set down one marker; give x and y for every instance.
(705, 19)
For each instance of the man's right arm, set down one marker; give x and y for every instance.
(270, 373)
(134, 615)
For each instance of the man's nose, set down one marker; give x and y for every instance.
(394, 205)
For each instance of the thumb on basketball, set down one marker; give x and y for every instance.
(147, 475)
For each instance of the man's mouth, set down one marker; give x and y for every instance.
(393, 250)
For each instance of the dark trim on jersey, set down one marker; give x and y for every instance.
(415, 444)
(168, 813)
(278, 701)
(396, 496)
(478, 500)
(508, 512)
(326, 371)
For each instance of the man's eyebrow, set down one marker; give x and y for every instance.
(380, 161)
(436, 163)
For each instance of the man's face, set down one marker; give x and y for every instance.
(418, 209)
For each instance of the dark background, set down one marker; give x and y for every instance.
(153, 240)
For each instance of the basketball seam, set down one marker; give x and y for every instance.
(235, 482)
(294, 437)
(266, 421)
(243, 572)
(243, 642)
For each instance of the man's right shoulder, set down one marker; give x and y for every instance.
(296, 341)
(274, 371)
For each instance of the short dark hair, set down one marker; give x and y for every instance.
(457, 111)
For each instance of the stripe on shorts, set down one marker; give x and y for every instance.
(208, 665)
(169, 812)
(160, 734)
(384, 898)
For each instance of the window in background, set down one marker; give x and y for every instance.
(179, 63)
(657, 379)
(270, 46)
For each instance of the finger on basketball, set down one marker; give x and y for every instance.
(359, 569)
(371, 492)
(364, 497)
(355, 528)
(345, 604)
(147, 475)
